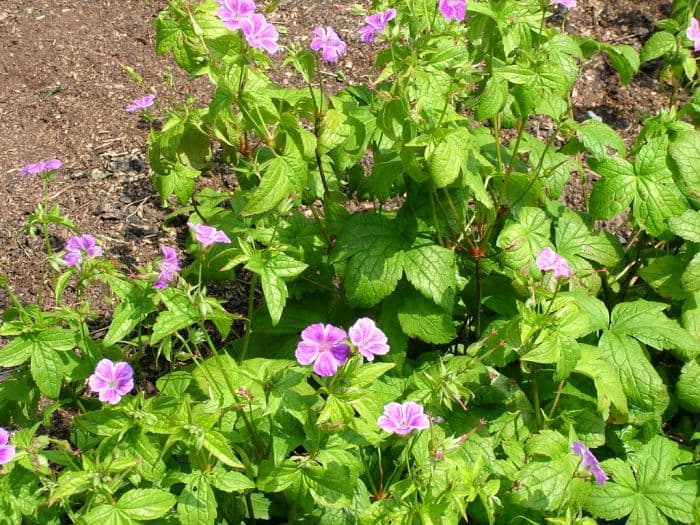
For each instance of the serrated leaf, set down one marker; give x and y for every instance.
(688, 387)
(431, 269)
(196, 504)
(47, 370)
(217, 445)
(615, 191)
(609, 389)
(444, 162)
(657, 200)
(690, 280)
(419, 317)
(521, 241)
(597, 137)
(543, 484)
(492, 99)
(334, 130)
(230, 481)
(684, 151)
(274, 267)
(686, 225)
(105, 515)
(625, 60)
(663, 275)
(659, 44)
(330, 486)
(16, 351)
(146, 504)
(180, 314)
(106, 422)
(70, 483)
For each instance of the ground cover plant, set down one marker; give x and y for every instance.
(467, 348)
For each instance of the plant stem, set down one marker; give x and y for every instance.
(431, 195)
(479, 290)
(536, 396)
(249, 320)
(556, 398)
(249, 504)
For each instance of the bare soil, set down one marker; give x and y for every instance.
(63, 89)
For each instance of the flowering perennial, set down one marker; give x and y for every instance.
(41, 167)
(566, 3)
(329, 43)
(232, 11)
(375, 24)
(7, 451)
(325, 346)
(368, 338)
(693, 32)
(78, 246)
(141, 103)
(112, 380)
(453, 9)
(169, 266)
(589, 462)
(403, 418)
(548, 259)
(259, 33)
(208, 235)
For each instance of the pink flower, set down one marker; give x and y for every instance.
(112, 380)
(325, 346)
(375, 24)
(169, 266)
(548, 259)
(566, 3)
(455, 9)
(368, 339)
(232, 11)
(208, 235)
(330, 44)
(78, 246)
(403, 418)
(41, 167)
(7, 451)
(259, 33)
(141, 103)
(693, 32)
(589, 462)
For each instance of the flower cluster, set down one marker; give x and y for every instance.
(453, 9)
(79, 246)
(141, 103)
(548, 260)
(7, 451)
(329, 43)
(693, 33)
(589, 462)
(570, 4)
(208, 235)
(403, 418)
(375, 24)
(41, 167)
(258, 32)
(168, 265)
(112, 380)
(326, 346)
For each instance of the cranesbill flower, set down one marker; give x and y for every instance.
(548, 260)
(325, 346)
(453, 9)
(112, 380)
(259, 33)
(169, 266)
(41, 167)
(141, 103)
(208, 235)
(403, 418)
(78, 246)
(232, 11)
(566, 3)
(329, 43)
(375, 24)
(368, 338)
(7, 451)
(693, 32)
(589, 462)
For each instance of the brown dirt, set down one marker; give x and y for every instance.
(63, 89)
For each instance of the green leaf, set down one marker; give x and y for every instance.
(47, 370)
(492, 98)
(196, 504)
(663, 275)
(146, 504)
(614, 192)
(217, 445)
(684, 151)
(273, 478)
(432, 270)
(330, 486)
(597, 137)
(70, 483)
(688, 387)
(178, 179)
(370, 247)
(521, 241)
(230, 481)
(609, 390)
(444, 161)
(282, 176)
(659, 44)
(690, 280)
(624, 59)
(16, 351)
(544, 484)
(106, 422)
(613, 500)
(180, 314)
(419, 317)
(645, 391)
(686, 225)
(657, 200)
(334, 130)
(105, 515)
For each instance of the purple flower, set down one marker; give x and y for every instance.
(232, 11)
(112, 380)
(208, 235)
(330, 44)
(403, 418)
(7, 451)
(259, 33)
(548, 259)
(368, 339)
(141, 103)
(455, 9)
(78, 246)
(589, 462)
(375, 24)
(566, 3)
(169, 266)
(41, 167)
(325, 346)
(693, 32)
